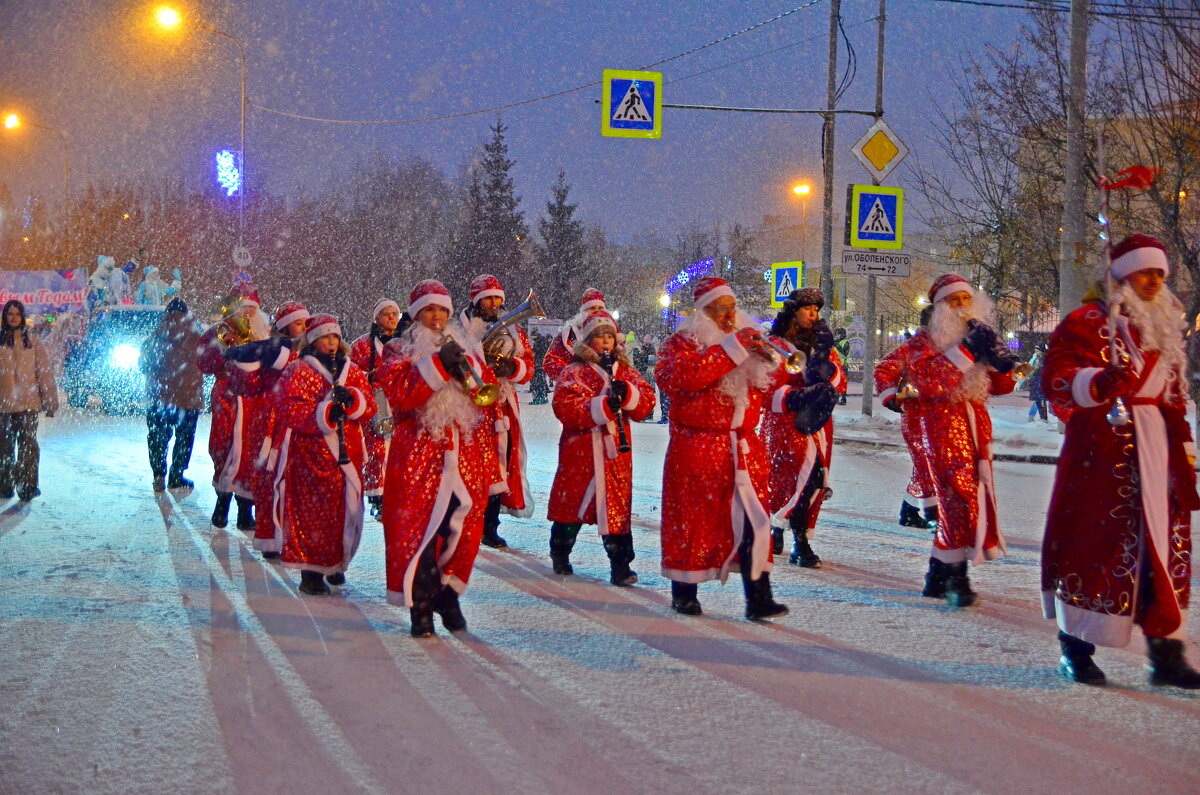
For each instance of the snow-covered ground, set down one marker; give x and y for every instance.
(144, 651)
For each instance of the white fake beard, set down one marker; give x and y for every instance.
(474, 326)
(1160, 323)
(449, 405)
(754, 373)
(260, 325)
(948, 326)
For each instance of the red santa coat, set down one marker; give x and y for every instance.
(588, 445)
(560, 354)
(505, 415)
(426, 468)
(319, 503)
(793, 455)
(259, 383)
(715, 476)
(1123, 495)
(890, 370)
(377, 442)
(956, 435)
(232, 458)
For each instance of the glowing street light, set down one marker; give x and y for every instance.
(802, 190)
(664, 300)
(12, 121)
(169, 19)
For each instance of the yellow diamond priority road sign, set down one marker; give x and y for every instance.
(880, 150)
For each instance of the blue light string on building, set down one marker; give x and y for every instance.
(229, 176)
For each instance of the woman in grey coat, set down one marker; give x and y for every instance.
(26, 387)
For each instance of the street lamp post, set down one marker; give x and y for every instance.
(802, 190)
(12, 121)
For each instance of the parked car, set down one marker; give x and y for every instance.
(102, 369)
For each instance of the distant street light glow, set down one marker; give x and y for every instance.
(167, 17)
(12, 121)
(802, 189)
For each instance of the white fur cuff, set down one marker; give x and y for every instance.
(322, 416)
(281, 361)
(600, 411)
(432, 370)
(734, 349)
(1081, 387)
(360, 405)
(960, 357)
(777, 399)
(519, 376)
(247, 367)
(887, 394)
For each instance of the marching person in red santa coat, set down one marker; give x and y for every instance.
(367, 353)
(1117, 547)
(260, 365)
(562, 348)
(594, 481)
(798, 429)
(512, 365)
(955, 368)
(897, 394)
(442, 461)
(715, 369)
(232, 456)
(318, 486)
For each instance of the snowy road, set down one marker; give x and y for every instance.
(142, 651)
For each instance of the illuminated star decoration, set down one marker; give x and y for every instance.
(229, 176)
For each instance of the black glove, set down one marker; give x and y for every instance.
(246, 354)
(816, 404)
(269, 350)
(1112, 382)
(336, 413)
(342, 396)
(822, 339)
(893, 405)
(981, 341)
(620, 391)
(505, 367)
(819, 368)
(453, 357)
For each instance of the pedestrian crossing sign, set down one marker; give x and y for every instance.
(785, 278)
(876, 217)
(631, 104)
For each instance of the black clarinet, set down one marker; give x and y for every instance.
(608, 362)
(343, 457)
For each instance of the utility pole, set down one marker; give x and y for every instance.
(1071, 271)
(871, 354)
(835, 12)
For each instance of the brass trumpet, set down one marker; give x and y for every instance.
(498, 341)
(906, 390)
(233, 328)
(472, 384)
(793, 361)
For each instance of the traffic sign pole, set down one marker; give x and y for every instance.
(871, 354)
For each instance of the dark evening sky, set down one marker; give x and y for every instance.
(134, 101)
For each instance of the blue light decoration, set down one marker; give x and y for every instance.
(229, 175)
(680, 280)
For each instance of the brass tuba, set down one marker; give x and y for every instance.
(233, 328)
(471, 382)
(498, 342)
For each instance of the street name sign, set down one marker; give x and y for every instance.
(631, 104)
(876, 263)
(876, 217)
(785, 277)
(880, 150)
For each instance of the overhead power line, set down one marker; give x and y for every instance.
(1122, 11)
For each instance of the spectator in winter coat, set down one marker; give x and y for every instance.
(26, 387)
(175, 393)
(153, 291)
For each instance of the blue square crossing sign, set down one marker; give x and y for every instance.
(631, 104)
(876, 217)
(785, 277)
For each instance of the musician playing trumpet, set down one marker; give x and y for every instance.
(511, 359)
(367, 353)
(441, 464)
(595, 399)
(798, 429)
(1118, 535)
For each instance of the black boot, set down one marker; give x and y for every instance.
(684, 599)
(1076, 661)
(220, 516)
(312, 583)
(620, 554)
(337, 578)
(491, 524)
(1167, 665)
(958, 586)
(562, 541)
(245, 513)
(375, 502)
(760, 603)
(935, 580)
(445, 604)
(910, 516)
(802, 554)
(776, 540)
(931, 517)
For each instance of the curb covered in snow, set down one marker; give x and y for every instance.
(1026, 458)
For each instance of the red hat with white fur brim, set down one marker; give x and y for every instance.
(592, 299)
(430, 292)
(949, 284)
(382, 304)
(320, 325)
(1138, 253)
(598, 320)
(709, 289)
(288, 313)
(486, 286)
(248, 293)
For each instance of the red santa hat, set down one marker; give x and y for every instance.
(1138, 253)
(248, 293)
(382, 304)
(426, 293)
(288, 313)
(320, 325)
(595, 321)
(486, 286)
(948, 284)
(709, 289)
(592, 299)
